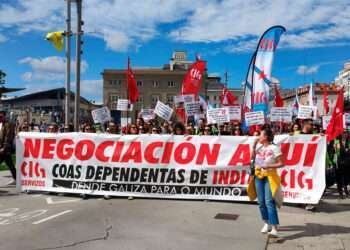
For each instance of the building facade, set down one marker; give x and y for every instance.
(158, 84)
(319, 89)
(343, 78)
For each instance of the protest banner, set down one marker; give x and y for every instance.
(234, 113)
(163, 111)
(218, 115)
(164, 166)
(101, 115)
(254, 118)
(180, 100)
(192, 108)
(307, 112)
(281, 114)
(147, 114)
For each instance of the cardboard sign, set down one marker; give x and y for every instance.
(307, 112)
(180, 100)
(101, 115)
(235, 113)
(218, 115)
(281, 114)
(192, 108)
(147, 114)
(163, 111)
(254, 118)
(123, 105)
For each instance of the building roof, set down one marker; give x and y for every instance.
(47, 94)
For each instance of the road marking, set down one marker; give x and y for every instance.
(51, 217)
(36, 195)
(50, 201)
(8, 212)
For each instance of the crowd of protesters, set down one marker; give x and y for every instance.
(338, 151)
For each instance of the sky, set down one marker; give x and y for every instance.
(224, 32)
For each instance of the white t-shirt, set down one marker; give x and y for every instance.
(267, 154)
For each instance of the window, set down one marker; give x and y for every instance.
(155, 98)
(171, 84)
(155, 84)
(110, 82)
(140, 99)
(169, 99)
(139, 83)
(214, 97)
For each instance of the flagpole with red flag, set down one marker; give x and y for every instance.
(336, 124)
(325, 102)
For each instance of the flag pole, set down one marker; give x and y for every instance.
(68, 49)
(127, 93)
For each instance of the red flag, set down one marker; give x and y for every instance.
(133, 92)
(336, 126)
(227, 99)
(193, 79)
(278, 98)
(325, 102)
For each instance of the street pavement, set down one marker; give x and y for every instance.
(47, 221)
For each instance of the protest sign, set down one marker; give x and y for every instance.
(192, 108)
(254, 118)
(325, 121)
(147, 114)
(164, 166)
(101, 115)
(218, 115)
(234, 113)
(281, 114)
(307, 112)
(163, 111)
(180, 100)
(123, 104)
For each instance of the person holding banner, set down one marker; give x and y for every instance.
(265, 183)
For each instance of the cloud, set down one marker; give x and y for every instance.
(309, 23)
(3, 38)
(234, 24)
(306, 70)
(50, 68)
(91, 89)
(120, 23)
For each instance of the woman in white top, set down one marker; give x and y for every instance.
(268, 157)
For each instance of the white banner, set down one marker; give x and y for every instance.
(163, 166)
(235, 113)
(281, 114)
(218, 115)
(101, 115)
(307, 112)
(163, 111)
(254, 118)
(192, 108)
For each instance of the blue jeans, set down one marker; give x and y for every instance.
(267, 204)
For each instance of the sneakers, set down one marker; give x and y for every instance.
(273, 233)
(12, 183)
(266, 228)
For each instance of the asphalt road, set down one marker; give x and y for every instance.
(44, 221)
